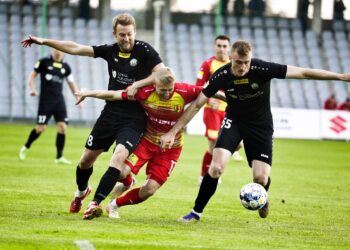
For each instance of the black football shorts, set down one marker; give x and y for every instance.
(47, 108)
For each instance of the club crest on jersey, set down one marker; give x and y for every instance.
(133, 62)
(48, 77)
(114, 73)
(254, 85)
(63, 71)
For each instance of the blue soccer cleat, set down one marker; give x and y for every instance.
(191, 217)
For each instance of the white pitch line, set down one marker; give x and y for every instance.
(84, 245)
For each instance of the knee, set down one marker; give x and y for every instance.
(40, 129)
(61, 128)
(86, 162)
(147, 191)
(216, 170)
(261, 179)
(119, 157)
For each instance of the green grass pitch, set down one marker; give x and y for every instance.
(309, 194)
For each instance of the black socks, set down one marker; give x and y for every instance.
(32, 137)
(60, 139)
(206, 191)
(106, 185)
(82, 177)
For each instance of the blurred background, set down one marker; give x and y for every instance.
(298, 32)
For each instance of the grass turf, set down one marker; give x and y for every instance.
(309, 195)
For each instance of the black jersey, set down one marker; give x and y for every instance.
(52, 74)
(126, 68)
(248, 97)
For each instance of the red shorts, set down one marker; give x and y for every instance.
(212, 120)
(160, 164)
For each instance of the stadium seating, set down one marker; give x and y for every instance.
(184, 47)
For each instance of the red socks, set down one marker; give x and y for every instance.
(130, 198)
(127, 181)
(206, 162)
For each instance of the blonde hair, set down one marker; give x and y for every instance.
(242, 47)
(123, 19)
(165, 75)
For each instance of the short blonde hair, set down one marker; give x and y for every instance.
(242, 47)
(123, 19)
(165, 75)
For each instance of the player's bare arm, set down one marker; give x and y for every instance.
(294, 72)
(220, 95)
(108, 95)
(132, 89)
(31, 82)
(167, 140)
(68, 47)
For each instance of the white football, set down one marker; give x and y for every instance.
(253, 196)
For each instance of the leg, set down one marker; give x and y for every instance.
(83, 172)
(261, 175)
(208, 156)
(60, 141)
(34, 134)
(236, 156)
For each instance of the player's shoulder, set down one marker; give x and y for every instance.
(142, 46)
(209, 60)
(222, 71)
(144, 92)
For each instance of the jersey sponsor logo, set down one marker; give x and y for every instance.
(241, 81)
(57, 65)
(133, 62)
(249, 96)
(200, 74)
(124, 55)
(254, 85)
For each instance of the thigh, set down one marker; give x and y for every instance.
(60, 112)
(44, 112)
(140, 156)
(212, 120)
(160, 167)
(229, 136)
(257, 140)
(103, 133)
(129, 135)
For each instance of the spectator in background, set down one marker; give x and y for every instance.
(345, 105)
(303, 8)
(84, 9)
(224, 4)
(238, 8)
(330, 103)
(256, 8)
(339, 9)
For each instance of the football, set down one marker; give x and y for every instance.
(253, 196)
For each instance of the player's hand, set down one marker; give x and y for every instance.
(167, 140)
(346, 77)
(30, 40)
(131, 91)
(214, 103)
(33, 93)
(80, 97)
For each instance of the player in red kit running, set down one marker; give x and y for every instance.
(214, 109)
(163, 103)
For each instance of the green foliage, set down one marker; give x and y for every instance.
(309, 195)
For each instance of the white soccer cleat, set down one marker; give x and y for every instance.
(63, 161)
(22, 153)
(119, 188)
(237, 157)
(112, 211)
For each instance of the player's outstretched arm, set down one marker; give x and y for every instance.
(167, 140)
(69, 47)
(294, 72)
(132, 89)
(109, 95)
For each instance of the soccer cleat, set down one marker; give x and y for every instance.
(112, 211)
(63, 161)
(264, 211)
(93, 210)
(23, 153)
(191, 217)
(119, 188)
(237, 157)
(77, 201)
